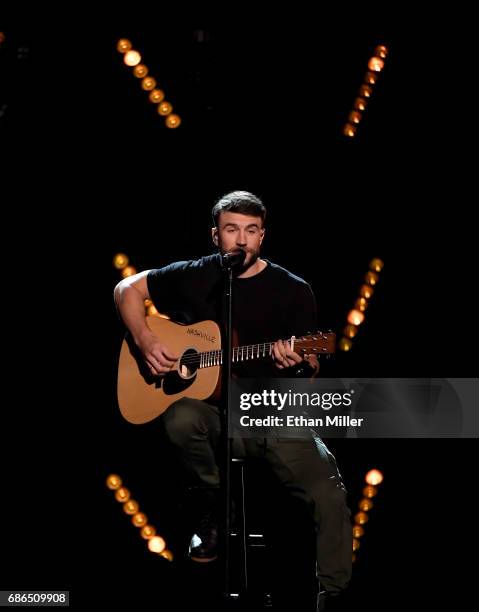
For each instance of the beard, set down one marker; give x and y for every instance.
(251, 258)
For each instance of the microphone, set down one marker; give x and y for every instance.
(231, 260)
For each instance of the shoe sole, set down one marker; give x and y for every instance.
(203, 559)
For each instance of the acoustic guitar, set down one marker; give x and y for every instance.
(142, 397)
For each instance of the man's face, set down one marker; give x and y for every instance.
(237, 231)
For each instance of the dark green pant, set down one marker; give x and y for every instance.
(305, 467)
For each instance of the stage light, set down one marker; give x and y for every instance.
(131, 507)
(164, 108)
(371, 278)
(370, 491)
(113, 482)
(374, 477)
(122, 495)
(128, 271)
(349, 130)
(148, 83)
(123, 45)
(167, 554)
(354, 117)
(132, 58)
(356, 544)
(156, 544)
(120, 261)
(361, 304)
(361, 518)
(376, 64)
(365, 91)
(370, 78)
(345, 344)
(140, 71)
(381, 51)
(358, 531)
(350, 331)
(360, 104)
(172, 121)
(365, 504)
(355, 317)
(376, 264)
(139, 519)
(366, 291)
(147, 532)
(156, 96)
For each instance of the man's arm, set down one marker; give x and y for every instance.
(130, 295)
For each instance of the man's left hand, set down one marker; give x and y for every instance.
(285, 357)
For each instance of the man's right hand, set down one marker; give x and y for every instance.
(158, 357)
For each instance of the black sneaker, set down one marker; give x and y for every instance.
(204, 543)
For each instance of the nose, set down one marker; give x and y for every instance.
(241, 238)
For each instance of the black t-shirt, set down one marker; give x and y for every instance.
(270, 305)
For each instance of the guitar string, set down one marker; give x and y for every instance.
(217, 354)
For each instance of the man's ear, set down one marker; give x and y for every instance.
(214, 235)
(262, 235)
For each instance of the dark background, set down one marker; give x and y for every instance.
(94, 171)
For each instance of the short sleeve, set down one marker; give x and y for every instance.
(164, 286)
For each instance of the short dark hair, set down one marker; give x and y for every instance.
(242, 202)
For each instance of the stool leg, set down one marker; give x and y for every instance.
(244, 548)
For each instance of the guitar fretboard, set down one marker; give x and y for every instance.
(317, 343)
(240, 353)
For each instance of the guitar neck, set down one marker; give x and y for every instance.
(318, 343)
(240, 353)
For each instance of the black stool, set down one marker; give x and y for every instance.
(245, 542)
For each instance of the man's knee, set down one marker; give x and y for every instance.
(187, 417)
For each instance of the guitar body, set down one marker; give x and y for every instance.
(197, 373)
(143, 397)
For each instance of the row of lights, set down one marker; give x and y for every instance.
(121, 263)
(375, 65)
(373, 479)
(156, 544)
(132, 58)
(356, 316)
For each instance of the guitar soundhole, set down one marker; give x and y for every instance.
(189, 363)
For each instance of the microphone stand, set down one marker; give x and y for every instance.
(229, 263)
(226, 481)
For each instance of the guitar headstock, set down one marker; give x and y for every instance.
(321, 343)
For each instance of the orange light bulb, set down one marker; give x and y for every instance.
(140, 71)
(113, 482)
(172, 121)
(132, 58)
(164, 108)
(374, 477)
